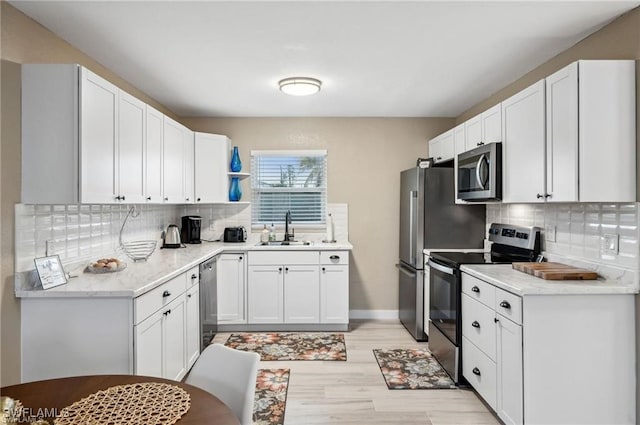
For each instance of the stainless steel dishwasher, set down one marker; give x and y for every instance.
(208, 301)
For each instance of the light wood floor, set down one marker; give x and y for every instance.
(354, 392)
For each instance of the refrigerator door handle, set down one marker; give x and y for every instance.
(440, 267)
(405, 270)
(413, 196)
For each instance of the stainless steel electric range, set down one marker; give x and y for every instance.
(510, 244)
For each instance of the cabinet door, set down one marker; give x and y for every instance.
(153, 156)
(193, 325)
(172, 162)
(492, 124)
(562, 134)
(231, 288)
(334, 294)
(459, 142)
(301, 294)
(442, 147)
(189, 165)
(148, 346)
(509, 403)
(131, 141)
(473, 132)
(211, 167)
(174, 339)
(523, 119)
(265, 293)
(98, 139)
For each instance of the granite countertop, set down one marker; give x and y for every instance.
(138, 278)
(519, 283)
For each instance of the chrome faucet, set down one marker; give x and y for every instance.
(287, 220)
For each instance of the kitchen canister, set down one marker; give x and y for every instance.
(236, 164)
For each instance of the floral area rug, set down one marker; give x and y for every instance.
(271, 396)
(291, 346)
(412, 369)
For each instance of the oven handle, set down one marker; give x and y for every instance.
(440, 267)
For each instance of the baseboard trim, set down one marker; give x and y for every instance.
(374, 314)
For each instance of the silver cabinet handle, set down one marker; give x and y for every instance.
(481, 160)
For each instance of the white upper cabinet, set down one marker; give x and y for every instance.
(98, 139)
(153, 156)
(441, 148)
(211, 157)
(189, 164)
(131, 143)
(562, 134)
(606, 130)
(173, 162)
(523, 121)
(484, 128)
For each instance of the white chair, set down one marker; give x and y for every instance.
(230, 375)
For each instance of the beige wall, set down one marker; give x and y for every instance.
(618, 40)
(365, 157)
(9, 195)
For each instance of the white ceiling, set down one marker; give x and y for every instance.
(375, 58)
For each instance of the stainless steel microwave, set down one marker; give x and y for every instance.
(480, 173)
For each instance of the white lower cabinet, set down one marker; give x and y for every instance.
(550, 358)
(298, 287)
(166, 330)
(193, 325)
(231, 282)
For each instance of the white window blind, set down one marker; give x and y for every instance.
(293, 181)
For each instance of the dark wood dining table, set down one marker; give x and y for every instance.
(53, 395)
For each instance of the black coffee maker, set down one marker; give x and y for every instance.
(190, 232)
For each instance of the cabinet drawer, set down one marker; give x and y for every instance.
(334, 257)
(159, 297)
(509, 305)
(480, 371)
(283, 257)
(193, 276)
(478, 290)
(478, 325)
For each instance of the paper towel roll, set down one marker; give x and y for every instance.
(330, 229)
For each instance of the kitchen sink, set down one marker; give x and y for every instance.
(283, 243)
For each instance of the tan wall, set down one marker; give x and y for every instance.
(9, 195)
(618, 40)
(365, 157)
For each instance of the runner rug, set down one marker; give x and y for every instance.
(271, 396)
(291, 346)
(412, 369)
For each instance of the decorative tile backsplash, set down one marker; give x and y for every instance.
(580, 229)
(80, 233)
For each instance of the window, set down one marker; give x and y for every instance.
(293, 181)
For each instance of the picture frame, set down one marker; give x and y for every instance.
(50, 271)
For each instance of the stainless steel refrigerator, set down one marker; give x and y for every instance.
(430, 219)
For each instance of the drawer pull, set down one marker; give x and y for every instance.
(334, 257)
(475, 324)
(505, 304)
(475, 289)
(148, 198)
(166, 294)
(324, 269)
(194, 276)
(166, 313)
(189, 296)
(286, 269)
(476, 371)
(279, 269)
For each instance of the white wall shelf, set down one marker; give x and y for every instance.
(241, 176)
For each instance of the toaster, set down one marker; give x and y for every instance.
(235, 234)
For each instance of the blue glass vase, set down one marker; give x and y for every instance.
(235, 193)
(236, 164)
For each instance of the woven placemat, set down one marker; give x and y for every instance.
(142, 403)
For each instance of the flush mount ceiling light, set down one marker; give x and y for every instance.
(300, 86)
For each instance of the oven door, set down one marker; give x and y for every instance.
(480, 173)
(444, 299)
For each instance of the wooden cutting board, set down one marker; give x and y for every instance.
(555, 271)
